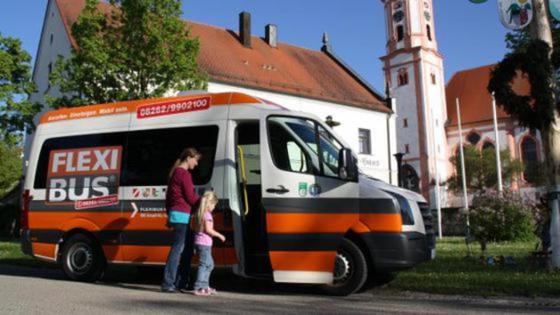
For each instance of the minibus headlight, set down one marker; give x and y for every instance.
(406, 210)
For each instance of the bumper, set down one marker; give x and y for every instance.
(394, 252)
(26, 247)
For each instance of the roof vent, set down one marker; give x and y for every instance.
(245, 28)
(271, 35)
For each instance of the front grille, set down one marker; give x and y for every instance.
(428, 223)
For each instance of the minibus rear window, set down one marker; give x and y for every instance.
(73, 142)
(148, 154)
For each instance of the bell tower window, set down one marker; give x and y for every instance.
(400, 33)
(429, 32)
(402, 77)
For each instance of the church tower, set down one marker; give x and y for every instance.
(413, 70)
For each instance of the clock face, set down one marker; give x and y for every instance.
(398, 16)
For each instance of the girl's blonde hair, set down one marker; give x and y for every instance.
(209, 198)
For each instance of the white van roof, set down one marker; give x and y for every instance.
(158, 106)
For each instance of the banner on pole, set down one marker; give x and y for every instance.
(554, 6)
(515, 14)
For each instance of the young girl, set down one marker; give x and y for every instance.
(203, 243)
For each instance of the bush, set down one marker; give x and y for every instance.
(499, 218)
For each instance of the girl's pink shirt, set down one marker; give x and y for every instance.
(201, 237)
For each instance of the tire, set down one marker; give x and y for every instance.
(82, 259)
(350, 270)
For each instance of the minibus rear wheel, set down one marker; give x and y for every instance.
(350, 270)
(82, 259)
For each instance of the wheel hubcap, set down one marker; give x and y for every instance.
(342, 268)
(80, 258)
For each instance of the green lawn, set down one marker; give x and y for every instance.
(449, 273)
(10, 253)
(452, 273)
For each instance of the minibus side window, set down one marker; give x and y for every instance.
(287, 153)
(150, 154)
(72, 142)
(302, 145)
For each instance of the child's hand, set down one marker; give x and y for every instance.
(222, 238)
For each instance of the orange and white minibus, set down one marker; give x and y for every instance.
(293, 204)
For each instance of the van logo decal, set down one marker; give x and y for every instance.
(174, 107)
(86, 177)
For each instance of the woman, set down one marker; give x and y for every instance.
(179, 200)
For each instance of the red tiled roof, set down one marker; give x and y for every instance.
(475, 101)
(287, 69)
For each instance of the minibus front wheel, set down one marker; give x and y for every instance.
(350, 270)
(82, 259)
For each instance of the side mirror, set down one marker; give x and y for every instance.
(347, 165)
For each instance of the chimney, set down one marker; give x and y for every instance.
(271, 35)
(245, 28)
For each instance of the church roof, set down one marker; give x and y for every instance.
(286, 69)
(476, 103)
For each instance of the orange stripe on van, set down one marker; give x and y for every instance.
(131, 106)
(310, 222)
(382, 222)
(44, 250)
(303, 261)
(58, 220)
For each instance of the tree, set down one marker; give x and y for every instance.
(480, 169)
(536, 58)
(140, 49)
(10, 168)
(16, 111)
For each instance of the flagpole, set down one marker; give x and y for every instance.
(464, 177)
(436, 169)
(498, 160)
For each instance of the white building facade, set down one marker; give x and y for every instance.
(366, 123)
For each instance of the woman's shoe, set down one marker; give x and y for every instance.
(202, 292)
(212, 291)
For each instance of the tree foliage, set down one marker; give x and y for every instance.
(535, 111)
(16, 111)
(140, 49)
(480, 168)
(11, 166)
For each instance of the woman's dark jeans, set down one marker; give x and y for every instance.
(178, 266)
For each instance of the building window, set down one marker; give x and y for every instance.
(402, 77)
(406, 149)
(530, 158)
(400, 33)
(488, 145)
(433, 76)
(473, 138)
(365, 141)
(50, 67)
(52, 38)
(405, 123)
(429, 32)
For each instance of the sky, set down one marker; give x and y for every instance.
(469, 35)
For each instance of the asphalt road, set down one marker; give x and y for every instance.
(25, 290)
